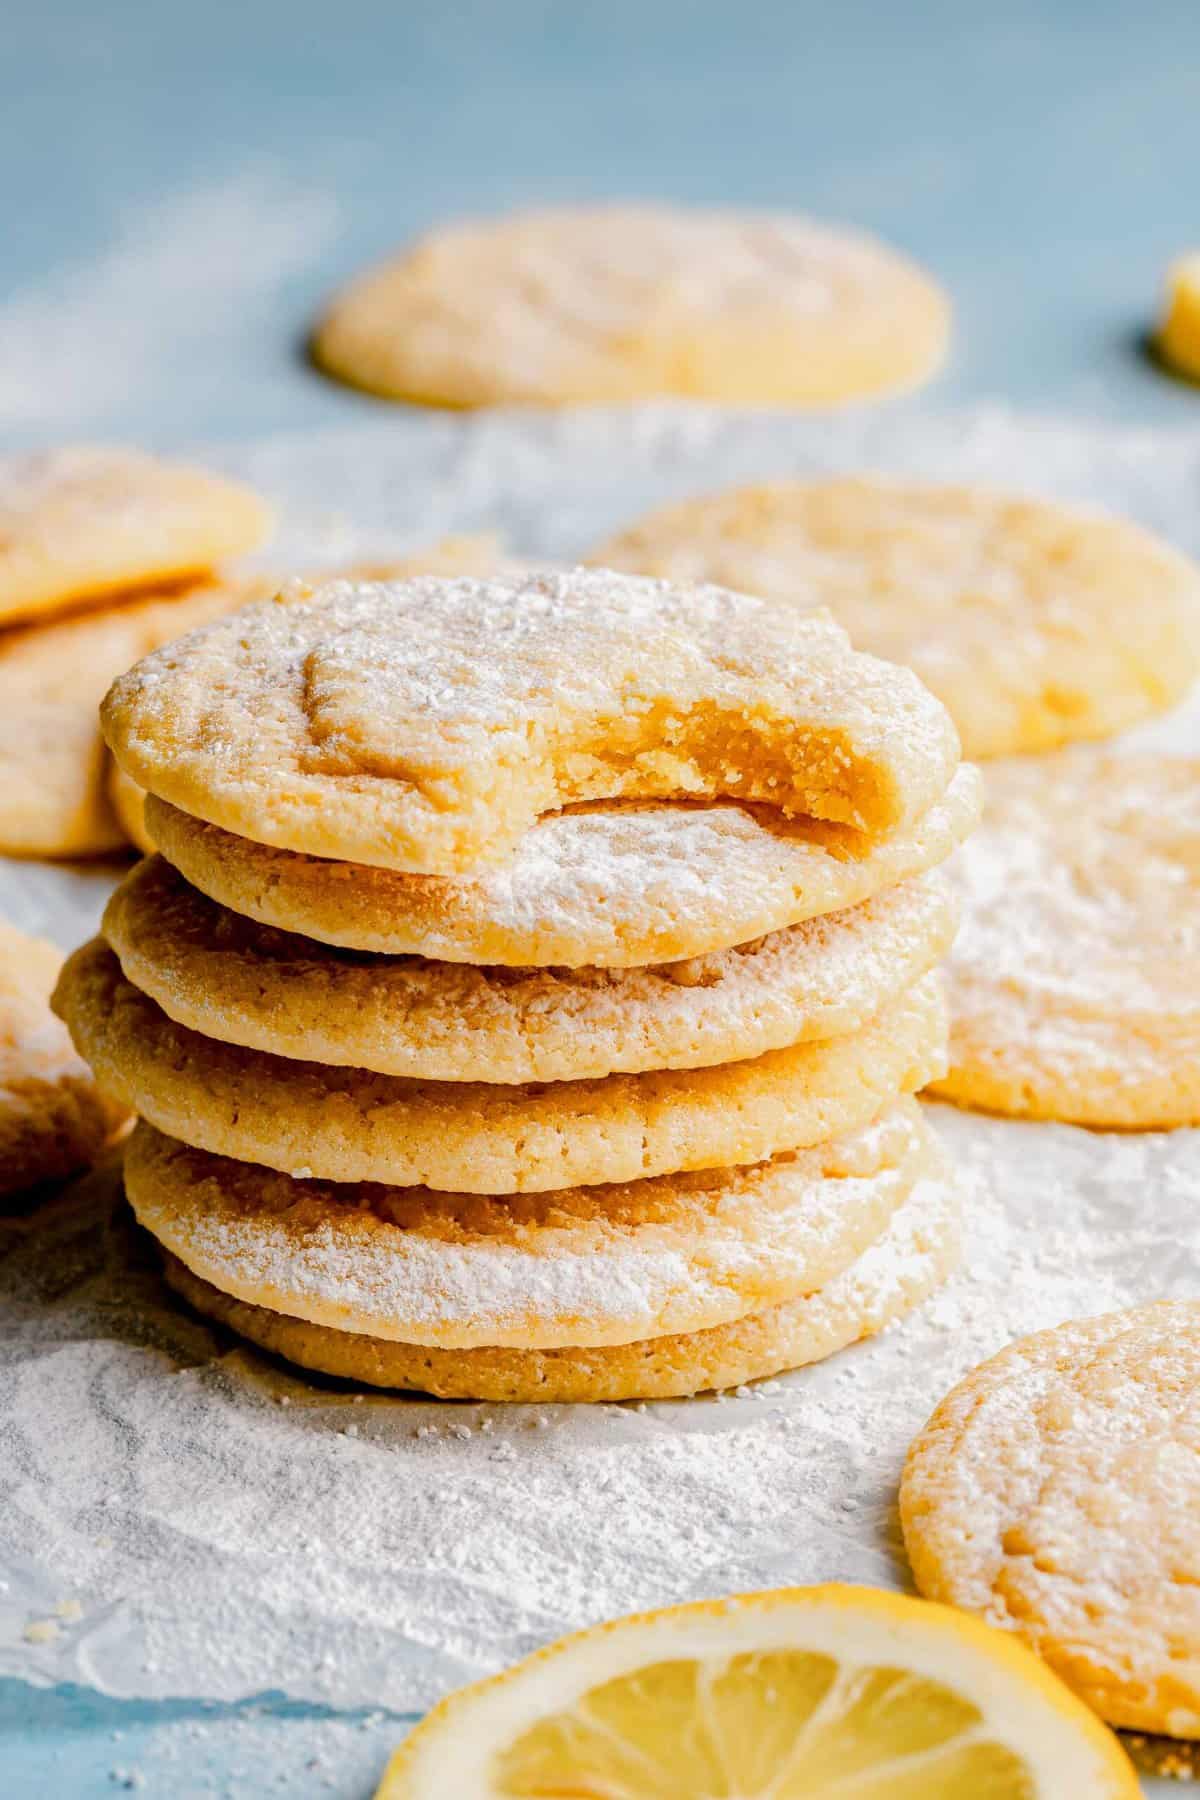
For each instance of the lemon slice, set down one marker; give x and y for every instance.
(833, 1691)
(1179, 333)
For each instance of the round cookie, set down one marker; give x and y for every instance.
(609, 886)
(53, 1120)
(243, 983)
(1035, 623)
(55, 798)
(616, 303)
(920, 1247)
(1075, 980)
(593, 1265)
(1056, 1492)
(81, 523)
(427, 724)
(347, 1125)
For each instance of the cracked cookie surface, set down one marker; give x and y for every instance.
(349, 1125)
(615, 303)
(244, 983)
(586, 1265)
(1055, 1491)
(426, 725)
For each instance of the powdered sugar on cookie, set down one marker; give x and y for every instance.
(612, 886)
(244, 983)
(426, 725)
(1074, 993)
(578, 1267)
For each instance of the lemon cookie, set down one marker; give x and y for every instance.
(1073, 982)
(611, 886)
(613, 303)
(425, 725)
(1035, 623)
(348, 1125)
(81, 523)
(1056, 1491)
(55, 798)
(53, 1120)
(243, 983)
(916, 1252)
(593, 1265)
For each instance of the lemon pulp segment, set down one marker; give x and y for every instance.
(842, 1692)
(782, 1725)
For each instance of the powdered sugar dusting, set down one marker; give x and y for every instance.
(610, 886)
(239, 980)
(1081, 921)
(581, 1266)
(237, 1542)
(222, 1542)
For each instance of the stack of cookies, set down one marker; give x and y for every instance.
(527, 995)
(104, 555)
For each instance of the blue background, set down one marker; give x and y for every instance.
(1044, 160)
(181, 185)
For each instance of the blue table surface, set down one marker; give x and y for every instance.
(179, 189)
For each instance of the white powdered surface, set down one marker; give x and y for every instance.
(226, 1527)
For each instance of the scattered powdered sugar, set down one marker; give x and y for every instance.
(222, 1531)
(389, 656)
(221, 1542)
(96, 339)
